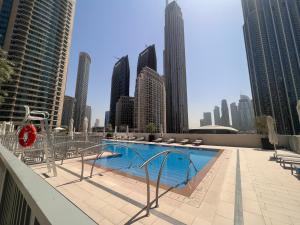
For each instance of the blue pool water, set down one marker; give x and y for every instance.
(176, 167)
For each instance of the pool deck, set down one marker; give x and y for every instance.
(269, 194)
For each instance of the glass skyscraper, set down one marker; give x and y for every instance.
(147, 58)
(175, 70)
(119, 86)
(272, 37)
(81, 92)
(37, 37)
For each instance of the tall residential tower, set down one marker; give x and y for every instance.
(225, 121)
(37, 37)
(175, 70)
(81, 92)
(272, 37)
(147, 58)
(119, 86)
(150, 106)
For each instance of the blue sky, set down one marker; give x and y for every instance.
(215, 51)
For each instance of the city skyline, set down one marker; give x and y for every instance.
(194, 12)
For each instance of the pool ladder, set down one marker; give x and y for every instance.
(145, 166)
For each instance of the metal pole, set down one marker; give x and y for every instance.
(148, 191)
(97, 157)
(159, 176)
(82, 165)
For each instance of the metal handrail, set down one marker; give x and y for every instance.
(99, 154)
(145, 166)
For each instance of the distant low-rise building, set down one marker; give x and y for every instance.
(206, 121)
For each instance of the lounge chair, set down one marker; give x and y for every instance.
(284, 156)
(131, 138)
(171, 140)
(289, 161)
(184, 141)
(198, 142)
(141, 139)
(295, 167)
(158, 140)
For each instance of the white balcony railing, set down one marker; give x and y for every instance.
(25, 198)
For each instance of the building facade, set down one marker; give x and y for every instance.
(97, 123)
(119, 86)
(68, 110)
(272, 38)
(175, 70)
(81, 91)
(217, 115)
(88, 114)
(125, 112)
(206, 121)
(38, 43)
(225, 121)
(246, 113)
(150, 105)
(106, 120)
(147, 58)
(235, 116)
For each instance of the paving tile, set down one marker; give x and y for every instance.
(226, 210)
(181, 216)
(220, 220)
(253, 219)
(200, 221)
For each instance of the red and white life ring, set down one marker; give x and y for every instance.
(27, 136)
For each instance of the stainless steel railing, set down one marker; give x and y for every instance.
(162, 165)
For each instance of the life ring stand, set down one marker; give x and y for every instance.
(27, 136)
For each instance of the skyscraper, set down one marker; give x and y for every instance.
(225, 121)
(175, 70)
(68, 110)
(272, 38)
(217, 115)
(125, 111)
(119, 86)
(81, 92)
(150, 103)
(246, 114)
(97, 123)
(235, 116)
(88, 114)
(206, 121)
(38, 43)
(147, 58)
(106, 120)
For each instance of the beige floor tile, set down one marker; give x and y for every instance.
(183, 217)
(253, 219)
(220, 220)
(226, 210)
(200, 221)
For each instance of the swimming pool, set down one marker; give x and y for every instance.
(131, 156)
